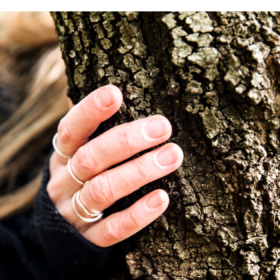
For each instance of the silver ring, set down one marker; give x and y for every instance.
(55, 147)
(72, 174)
(87, 220)
(94, 212)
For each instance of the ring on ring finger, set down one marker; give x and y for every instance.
(96, 214)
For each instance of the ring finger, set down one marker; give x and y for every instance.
(124, 224)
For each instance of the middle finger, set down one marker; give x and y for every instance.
(119, 144)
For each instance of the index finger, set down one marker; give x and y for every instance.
(84, 118)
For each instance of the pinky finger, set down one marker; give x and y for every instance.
(124, 224)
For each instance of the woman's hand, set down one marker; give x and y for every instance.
(91, 159)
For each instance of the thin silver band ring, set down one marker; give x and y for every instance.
(55, 147)
(94, 212)
(87, 220)
(72, 174)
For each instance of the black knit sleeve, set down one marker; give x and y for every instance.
(69, 254)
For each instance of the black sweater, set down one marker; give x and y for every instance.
(41, 244)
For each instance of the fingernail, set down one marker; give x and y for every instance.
(167, 156)
(156, 128)
(157, 199)
(105, 98)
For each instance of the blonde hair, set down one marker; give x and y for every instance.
(41, 85)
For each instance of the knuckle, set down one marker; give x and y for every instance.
(111, 231)
(64, 133)
(126, 138)
(141, 169)
(86, 163)
(100, 190)
(134, 221)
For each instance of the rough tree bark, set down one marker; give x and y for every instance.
(215, 76)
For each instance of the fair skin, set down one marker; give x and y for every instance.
(91, 160)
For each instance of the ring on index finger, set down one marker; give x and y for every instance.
(56, 149)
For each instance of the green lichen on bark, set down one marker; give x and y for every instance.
(215, 76)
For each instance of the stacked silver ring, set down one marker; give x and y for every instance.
(96, 214)
(76, 197)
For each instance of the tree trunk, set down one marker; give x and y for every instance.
(215, 77)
